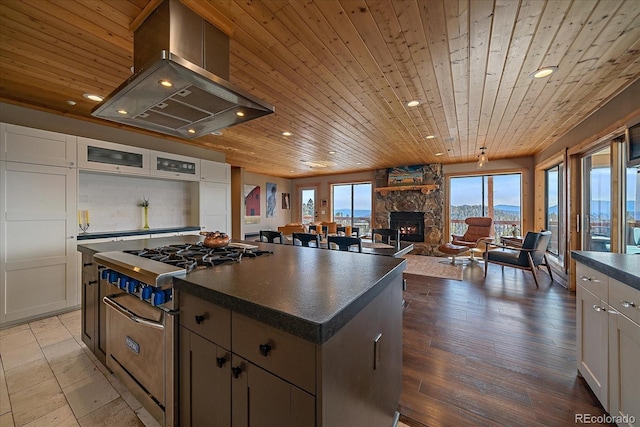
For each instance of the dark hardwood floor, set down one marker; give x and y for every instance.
(491, 352)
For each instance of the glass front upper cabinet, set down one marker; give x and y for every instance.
(110, 157)
(175, 166)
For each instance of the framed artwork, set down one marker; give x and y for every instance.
(251, 204)
(406, 175)
(271, 199)
(286, 201)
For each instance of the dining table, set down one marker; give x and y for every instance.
(394, 249)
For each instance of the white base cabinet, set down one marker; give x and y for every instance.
(608, 341)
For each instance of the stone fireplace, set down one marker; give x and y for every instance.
(426, 200)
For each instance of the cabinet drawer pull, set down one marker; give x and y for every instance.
(200, 318)
(598, 308)
(92, 282)
(627, 304)
(220, 361)
(236, 371)
(87, 264)
(265, 349)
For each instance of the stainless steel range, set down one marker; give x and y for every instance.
(141, 316)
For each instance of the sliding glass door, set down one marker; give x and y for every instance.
(352, 205)
(596, 208)
(554, 210)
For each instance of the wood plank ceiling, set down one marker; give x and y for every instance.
(340, 72)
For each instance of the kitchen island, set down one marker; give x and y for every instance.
(314, 335)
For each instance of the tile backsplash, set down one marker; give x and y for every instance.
(113, 201)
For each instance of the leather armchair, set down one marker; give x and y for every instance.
(477, 235)
(532, 254)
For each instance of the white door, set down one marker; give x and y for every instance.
(308, 204)
(38, 255)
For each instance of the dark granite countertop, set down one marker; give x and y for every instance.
(622, 267)
(308, 292)
(109, 234)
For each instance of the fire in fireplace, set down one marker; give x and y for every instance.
(410, 224)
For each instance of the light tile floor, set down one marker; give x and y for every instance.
(50, 378)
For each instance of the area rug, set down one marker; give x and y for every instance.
(422, 265)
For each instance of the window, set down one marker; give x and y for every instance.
(495, 196)
(352, 205)
(554, 209)
(632, 208)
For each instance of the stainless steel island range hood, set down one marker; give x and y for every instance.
(180, 83)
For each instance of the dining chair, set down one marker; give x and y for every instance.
(386, 235)
(355, 231)
(270, 236)
(532, 254)
(343, 243)
(306, 238)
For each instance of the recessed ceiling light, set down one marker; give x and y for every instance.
(93, 97)
(216, 133)
(286, 133)
(430, 136)
(239, 114)
(358, 163)
(413, 103)
(332, 152)
(439, 154)
(543, 72)
(70, 102)
(191, 131)
(165, 83)
(123, 112)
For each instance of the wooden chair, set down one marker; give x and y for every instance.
(270, 236)
(343, 243)
(306, 238)
(532, 254)
(355, 231)
(386, 235)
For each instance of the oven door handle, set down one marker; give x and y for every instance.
(109, 300)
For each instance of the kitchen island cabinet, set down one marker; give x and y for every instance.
(608, 330)
(316, 333)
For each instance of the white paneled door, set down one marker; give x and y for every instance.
(38, 252)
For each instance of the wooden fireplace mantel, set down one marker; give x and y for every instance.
(425, 189)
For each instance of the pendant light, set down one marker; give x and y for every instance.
(482, 158)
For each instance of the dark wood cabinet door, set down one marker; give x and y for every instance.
(205, 382)
(89, 301)
(261, 399)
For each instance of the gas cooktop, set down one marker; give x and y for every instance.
(197, 256)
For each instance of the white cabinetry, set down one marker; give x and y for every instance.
(608, 337)
(174, 166)
(624, 352)
(592, 321)
(26, 145)
(215, 196)
(38, 248)
(109, 157)
(215, 171)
